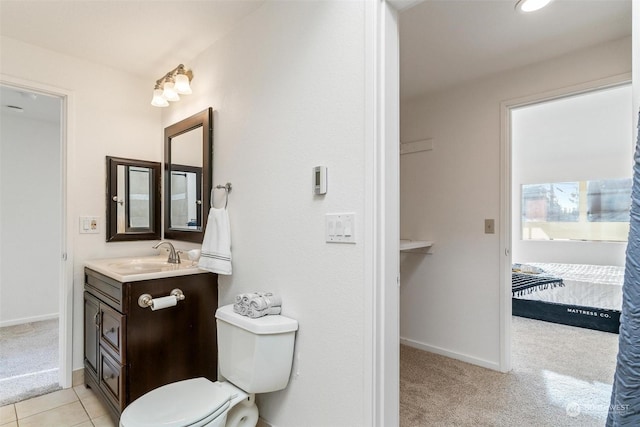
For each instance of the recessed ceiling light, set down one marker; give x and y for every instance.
(531, 5)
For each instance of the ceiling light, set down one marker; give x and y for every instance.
(531, 5)
(168, 88)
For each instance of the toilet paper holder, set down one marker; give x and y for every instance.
(146, 300)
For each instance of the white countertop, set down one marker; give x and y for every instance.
(135, 269)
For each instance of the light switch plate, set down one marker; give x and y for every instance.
(340, 228)
(89, 225)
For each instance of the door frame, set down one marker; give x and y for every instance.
(65, 280)
(381, 352)
(506, 220)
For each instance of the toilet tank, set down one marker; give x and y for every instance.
(255, 354)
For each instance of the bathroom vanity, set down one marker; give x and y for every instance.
(130, 349)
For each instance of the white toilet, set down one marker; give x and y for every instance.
(254, 355)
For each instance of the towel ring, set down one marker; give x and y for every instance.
(227, 190)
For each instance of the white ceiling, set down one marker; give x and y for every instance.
(445, 42)
(442, 42)
(144, 37)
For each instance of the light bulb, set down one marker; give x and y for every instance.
(170, 93)
(158, 100)
(531, 5)
(182, 84)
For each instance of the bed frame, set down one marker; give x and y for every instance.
(599, 319)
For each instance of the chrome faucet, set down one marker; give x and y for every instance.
(174, 256)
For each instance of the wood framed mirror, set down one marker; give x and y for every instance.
(188, 164)
(133, 199)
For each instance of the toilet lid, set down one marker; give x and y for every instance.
(179, 404)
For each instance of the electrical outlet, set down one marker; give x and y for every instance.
(89, 225)
(489, 226)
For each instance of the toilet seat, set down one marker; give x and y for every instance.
(192, 403)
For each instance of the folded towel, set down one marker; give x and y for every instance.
(254, 314)
(241, 309)
(215, 255)
(257, 304)
(246, 298)
(264, 302)
(240, 298)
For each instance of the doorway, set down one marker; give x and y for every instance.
(33, 321)
(575, 140)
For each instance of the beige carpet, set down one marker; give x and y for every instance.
(28, 360)
(561, 376)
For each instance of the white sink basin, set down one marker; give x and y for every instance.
(132, 269)
(138, 265)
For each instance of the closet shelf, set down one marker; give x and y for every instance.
(415, 246)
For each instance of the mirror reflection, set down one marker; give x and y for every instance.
(133, 202)
(188, 148)
(186, 181)
(136, 186)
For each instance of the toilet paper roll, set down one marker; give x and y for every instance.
(163, 302)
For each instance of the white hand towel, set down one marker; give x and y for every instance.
(216, 246)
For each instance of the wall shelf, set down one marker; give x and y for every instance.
(415, 246)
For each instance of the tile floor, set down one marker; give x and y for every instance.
(77, 406)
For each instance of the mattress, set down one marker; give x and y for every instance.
(584, 285)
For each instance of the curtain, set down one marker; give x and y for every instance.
(625, 396)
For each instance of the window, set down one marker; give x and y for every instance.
(555, 202)
(595, 210)
(609, 200)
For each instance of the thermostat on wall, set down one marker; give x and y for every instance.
(320, 180)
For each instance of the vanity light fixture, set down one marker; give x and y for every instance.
(531, 5)
(170, 86)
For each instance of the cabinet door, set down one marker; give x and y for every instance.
(112, 325)
(91, 332)
(112, 380)
(175, 343)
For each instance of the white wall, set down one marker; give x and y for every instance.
(578, 138)
(450, 300)
(31, 207)
(287, 89)
(112, 116)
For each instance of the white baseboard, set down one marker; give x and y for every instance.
(28, 320)
(458, 356)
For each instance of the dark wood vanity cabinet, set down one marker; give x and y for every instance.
(130, 350)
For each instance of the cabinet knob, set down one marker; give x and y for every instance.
(96, 319)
